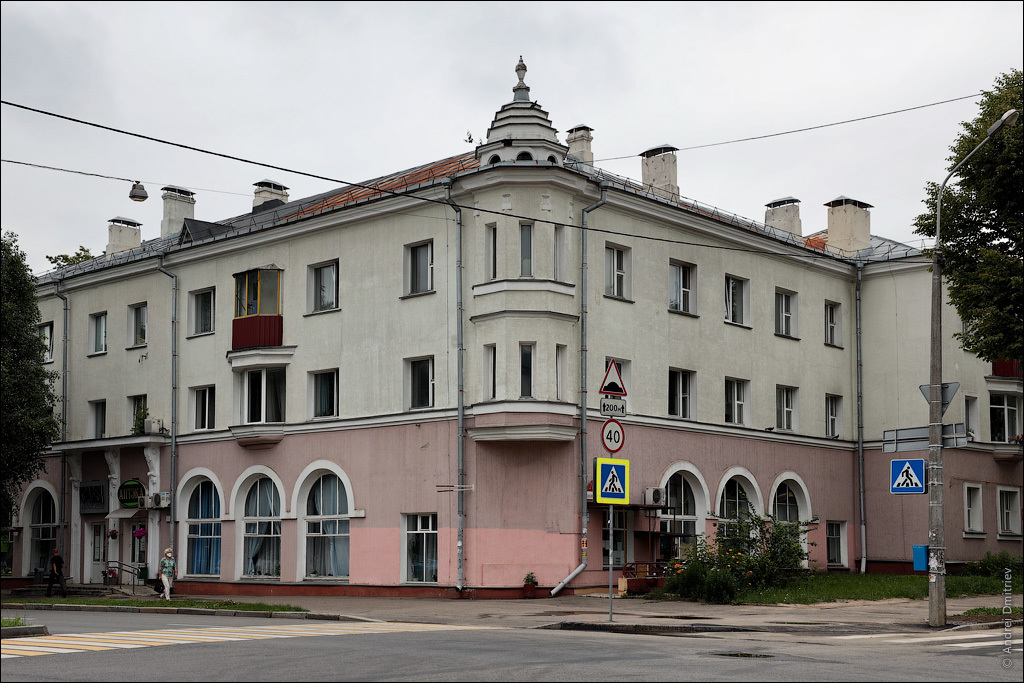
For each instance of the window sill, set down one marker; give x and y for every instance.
(1008, 536)
(47, 361)
(975, 534)
(323, 312)
(200, 334)
(417, 294)
(685, 314)
(834, 346)
(619, 298)
(323, 418)
(136, 346)
(786, 336)
(95, 353)
(746, 327)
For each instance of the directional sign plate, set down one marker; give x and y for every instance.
(611, 479)
(613, 407)
(918, 439)
(948, 391)
(906, 476)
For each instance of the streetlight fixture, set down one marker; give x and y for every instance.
(936, 530)
(138, 192)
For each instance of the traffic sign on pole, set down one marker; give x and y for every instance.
(613, 436)
(611, 479)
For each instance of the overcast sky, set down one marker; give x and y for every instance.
(352, 91)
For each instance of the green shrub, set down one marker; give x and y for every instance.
(720, 587)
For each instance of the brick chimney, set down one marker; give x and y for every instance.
(784, 214)
(268, 191)
(179, 204)
(659, 170)
(579, 140)
(849, 224)
(124, 234)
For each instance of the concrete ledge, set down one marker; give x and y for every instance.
(246, 613)
(158, 610)
(23, 631)
(287, 615)
(198, 610)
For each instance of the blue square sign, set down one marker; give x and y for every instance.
(611, 481)
(906, 476)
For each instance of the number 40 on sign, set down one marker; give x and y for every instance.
(612, 436)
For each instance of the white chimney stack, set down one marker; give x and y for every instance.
(269, 190)
(784, 214)
(579, 140)
(849, 224)
(179, 204)
(659, 171)
(123, 234)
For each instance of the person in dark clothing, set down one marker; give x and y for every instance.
(57, 574)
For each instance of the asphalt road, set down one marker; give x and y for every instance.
(155, 647)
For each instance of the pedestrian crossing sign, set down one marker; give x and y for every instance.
(611, 477)
(906, 476)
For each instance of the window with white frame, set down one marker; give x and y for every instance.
(43, 530)
(264, 395)
(203, 550)
(526, 250)
(736, 296)
(971, 420)
(973, 520)
(46, 334)
(491, 251)
(785, 506)
(734, 506)
(620, 544)
(204, 407)
(325, 393)
(785, 408)
(201, 311)
(327, 528)
(137, 317)
(833, 324)
(98, 417)
(617, 268)
(679, 523)
(323, 287)
(679, 392)
(680, 286)
(1004, 417)
(835, 543)
(138, 411)
(526, 362)
(735, 401)
(833, 416)
(1009, 511)
(561, 372)
(258, 292)
(785, 313)
(490, 372)
(98, 332)
(419, 268)
(420, 547)
(420, 382)
(559, 254)
(262, 540)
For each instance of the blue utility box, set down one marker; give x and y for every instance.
(920, 558)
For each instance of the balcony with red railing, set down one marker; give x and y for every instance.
(255, 331)
(1007, 368)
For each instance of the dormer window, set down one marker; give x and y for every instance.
(494, 159)
(524, 156)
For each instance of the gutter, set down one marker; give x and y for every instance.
(460, 488)
(63, 415)
(174, 396)
(860, 428)
(584, 515)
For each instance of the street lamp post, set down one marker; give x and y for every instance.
(936, 530)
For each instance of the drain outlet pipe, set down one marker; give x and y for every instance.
(174, 398)
(584, 515)
(461, 543)
(63, 415)
(860, 429)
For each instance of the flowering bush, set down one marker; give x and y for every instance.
(140, 532)
(112, 533)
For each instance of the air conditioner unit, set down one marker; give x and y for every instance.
(153, 425)
(162, 500)
(654, 495)
(144, 502)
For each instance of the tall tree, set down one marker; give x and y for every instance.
(28, 424)
(982, 229)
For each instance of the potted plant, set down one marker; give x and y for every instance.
(530, 585)
(112, 534)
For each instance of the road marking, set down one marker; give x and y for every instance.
(987, 643)
(926, 639)
(123, 640)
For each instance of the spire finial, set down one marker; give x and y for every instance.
(521, 91)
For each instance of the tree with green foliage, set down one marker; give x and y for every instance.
(26, 388)
(982, 229)
(64, 260)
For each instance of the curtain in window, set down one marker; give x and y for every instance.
(204, 530)
(275, 394)
(327, 538)
(324, 391)
(263, 536)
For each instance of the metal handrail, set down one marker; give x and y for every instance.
(123, 569)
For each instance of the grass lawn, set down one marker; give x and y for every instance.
(199, 604)
(832, 587)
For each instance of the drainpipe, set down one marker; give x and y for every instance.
(174, 396)
(584, 516)
(63, 415)
(860, 429)
(460, 545)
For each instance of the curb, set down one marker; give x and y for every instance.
(22, 631)
(321, 616)
(653, 629)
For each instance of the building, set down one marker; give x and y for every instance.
(394, 387)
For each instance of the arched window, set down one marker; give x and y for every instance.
(524, 156)
(263, 529)
(734, 501)
(204, 530)
(679, 523)
(785, 506)
(552, 159)
(495, 159)
(44, 529)
(327, 528)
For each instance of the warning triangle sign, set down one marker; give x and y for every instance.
(612, 483)
(907, 479)
(613, 384)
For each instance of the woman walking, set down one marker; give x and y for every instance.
(168, 572)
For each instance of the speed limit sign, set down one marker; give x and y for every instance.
(612, 436)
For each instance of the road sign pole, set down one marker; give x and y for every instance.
(611, 558)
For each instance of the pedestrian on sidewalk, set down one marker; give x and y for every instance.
(57, 574)
(168, 572)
